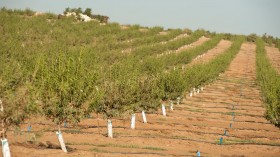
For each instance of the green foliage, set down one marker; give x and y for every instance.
(269, 80)
(150, 93)
(66, 10)
(103, 78)
(173, 85)
(252, 38)
(228, 36)
(78, 11)
(67, 87)
(87, 12)
(16, 92)
(277, 43)
(268, 39)
(171, 45)
(118, 93)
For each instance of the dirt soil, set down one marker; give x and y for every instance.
(197, 123)
(274, 57)
(212, 53)
(199, 42)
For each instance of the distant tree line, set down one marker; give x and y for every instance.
(88, 12)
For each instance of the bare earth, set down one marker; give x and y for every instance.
(196, 124)
(274, 56)
(209, 55)
(199, 42)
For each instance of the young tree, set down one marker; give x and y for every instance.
(15, 96)
(173, 84)
(117, 92)
(149, 95)
(67, 87)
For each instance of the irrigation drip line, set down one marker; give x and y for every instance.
(222, 103)
(164, 137)
(223, 113)
(217, 119)
(143, 153)
(134, 153)
(182, 109)
(116, 136)
(241, 95)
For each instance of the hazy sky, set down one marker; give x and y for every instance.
(231, 16)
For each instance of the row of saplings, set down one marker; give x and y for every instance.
(64, 90)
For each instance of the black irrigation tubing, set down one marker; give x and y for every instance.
(237, 103)
(248, 129)
(199, 132)
(40, 123)
(208, 96)
(165, 137)
(145, 153)
(133, 153)
(201, 101)
(241, 86)
(216, 127)
(195, 140)
(253, 143)
(216, 107)
(227, 113)
(203, 117)
(118, 127)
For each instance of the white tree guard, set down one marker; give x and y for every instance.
(5, 148)
(60, 139)
(178, 100)
(133, 121)
(110, 129)
(144, 117)
(197, 90)
(163, 110)
(171, 106)
(191, 94)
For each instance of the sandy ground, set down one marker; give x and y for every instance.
(197, 123)
(274, 56)
(129, 50)
(199, 42)
(209, 55)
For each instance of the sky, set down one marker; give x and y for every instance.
(223, 16)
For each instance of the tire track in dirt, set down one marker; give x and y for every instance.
(273, 55)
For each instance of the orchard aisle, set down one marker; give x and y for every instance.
(233, 104)
(274, 56)
(212, 53)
